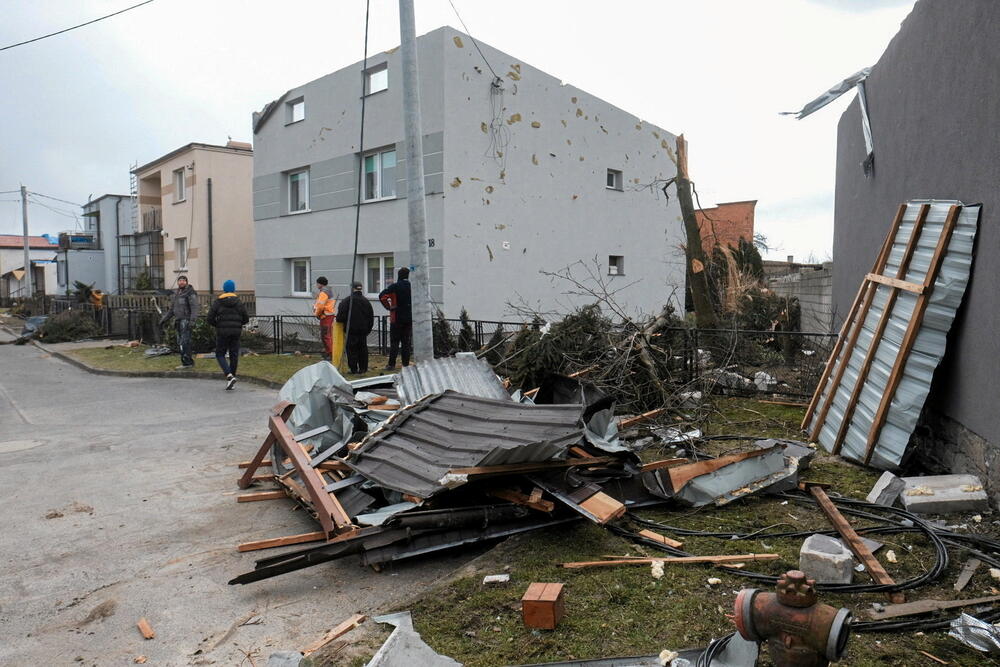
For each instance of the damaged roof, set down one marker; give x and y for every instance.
(463, 373)
(416, 448)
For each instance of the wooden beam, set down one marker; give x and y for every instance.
(665, 463)
(662, 539)
(895, 282)
(883, 321)
(519, 498)
(683, 560)
(916, 319)
(604, 507)
(853, 541)
(645, 416)
(682, 474)
(333, 465)
(530, 467)
(925, 607)
(145, 628)
(282, 541)
(262, 495)
(340, 630)
(862, 302)
(247, 464)
(282, 411)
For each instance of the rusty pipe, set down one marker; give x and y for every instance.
(799, 631)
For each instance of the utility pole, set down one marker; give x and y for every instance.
(27, 252)
(423, 337)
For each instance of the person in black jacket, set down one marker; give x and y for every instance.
(356, 313)
(396, 299)
(184, 309)
(228, 315)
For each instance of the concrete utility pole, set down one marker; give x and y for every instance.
(27, 251)
(423, 337)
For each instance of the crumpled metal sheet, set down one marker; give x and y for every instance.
(602, 432)
(463, 373)
(976, 634)
(772, 471)
(405, 647)
(322, 397)
(414, 450)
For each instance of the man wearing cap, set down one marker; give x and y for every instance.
(358, 318)
(183, 308)
(228, 315)
(324, 308)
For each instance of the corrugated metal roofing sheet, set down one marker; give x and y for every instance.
(415, 448)
(929, 345)
(463, 373)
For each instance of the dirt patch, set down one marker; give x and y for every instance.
(54, 514)
(104, 610)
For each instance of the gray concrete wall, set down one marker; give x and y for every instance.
(814, 290)
(934, 97)
(87, 266)
(544, 205)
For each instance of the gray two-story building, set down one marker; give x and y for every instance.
(524, 176)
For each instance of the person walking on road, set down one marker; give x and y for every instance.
(396, 299)
(358, 318)
(324, 308)
(228, 315)
(184, 310)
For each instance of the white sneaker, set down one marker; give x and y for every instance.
(231, 381)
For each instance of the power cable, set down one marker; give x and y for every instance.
(10, 192)
(474, 42)
(59, 32)
(39, 194)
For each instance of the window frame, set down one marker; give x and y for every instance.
(618, 265)
(181, 265)
(290, 107)
(180, 186)
(614, 175)
(308, 274)
(371, 72)
(288, 180)
(387, 279)
(379, 170)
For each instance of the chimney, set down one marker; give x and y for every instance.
(791, 259)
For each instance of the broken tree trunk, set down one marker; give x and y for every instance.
(696, 261)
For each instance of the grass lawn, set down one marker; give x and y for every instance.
(625, 611)
(272, 367)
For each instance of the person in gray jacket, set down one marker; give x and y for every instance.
(184, 309)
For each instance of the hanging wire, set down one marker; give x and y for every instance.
(59, 32)
(39, 194)
(474, 42)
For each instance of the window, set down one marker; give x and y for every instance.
(376, 79)
(179, 187)
(616, 265)
(298, 191)
(380, 175)
(378, 273)
(614, 179)
(181, 254)
(295, 111)
(300, 278)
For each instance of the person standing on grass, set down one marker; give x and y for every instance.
(324, 308)
(228, 315)
(356, 313)
(396, 299)
(184, 309)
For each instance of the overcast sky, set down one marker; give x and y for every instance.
(81, 107)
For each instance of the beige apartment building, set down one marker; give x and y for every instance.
(194, 218)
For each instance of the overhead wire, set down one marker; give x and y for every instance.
(80, 25)
(64, 201)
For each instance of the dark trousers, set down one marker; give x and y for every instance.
(357, 352)
(400, 335)
(227, 343)
(184, 341)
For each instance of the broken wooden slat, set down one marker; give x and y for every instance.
(853, 540)
(145, 628)
(965, 576)
(604, 507)
(895, 282)
(262, 495)
(282, 541)
(333, 465)
(925, 606)
(282, 411)
(916, 319)
(662, 539)
(682, 560)
(682, 474)
(246, 464)
(519, 498)
(933, 657)
(638, 419)
(665, 463)
(588, 500)
(512, 468)
(340, 630)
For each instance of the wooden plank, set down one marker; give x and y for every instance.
(638, 419)
(683, 560)
(895, 282)
(339, 631)
(519, 498)
(925, 607)
(883, 321)
(916, 319)
(853, 541)
(262, 495)
(662, 539)
(283, 411)
(282, 541)
(933, 657)
(145, 628)
(333, 465)
(787, 404)
(880, 262)
(664, 463)
(682, 474)
(965, 575)
(531, 467)
(246, 464)
(604, 507)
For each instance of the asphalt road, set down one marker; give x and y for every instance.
(117, 502)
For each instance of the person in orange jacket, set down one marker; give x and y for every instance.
(325, 308)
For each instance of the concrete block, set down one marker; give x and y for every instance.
(886, 490)
(286, 659)
(944, 494)
(826, 560)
